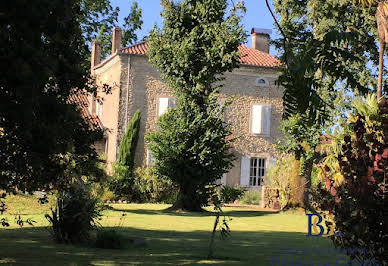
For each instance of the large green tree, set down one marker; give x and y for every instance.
(197, 44)
(104, 17)
(44, 142)
(329, 50)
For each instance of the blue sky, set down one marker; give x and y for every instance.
(257, 15)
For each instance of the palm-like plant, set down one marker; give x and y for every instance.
(382, 27)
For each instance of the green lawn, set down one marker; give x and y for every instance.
(171, 239)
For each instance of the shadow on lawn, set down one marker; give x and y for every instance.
(232, 213)
(32, 246)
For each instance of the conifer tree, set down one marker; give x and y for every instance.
(124, 166)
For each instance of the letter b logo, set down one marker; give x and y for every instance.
(314, 224)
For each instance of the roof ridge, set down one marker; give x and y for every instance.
(250, 56)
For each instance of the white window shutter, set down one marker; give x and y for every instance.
(171, 102)
(150, 158)
(261, 119)
(266, 121)
(223, 179)
(272, 161)
(244, 178)
(163, 106)
(256, 119)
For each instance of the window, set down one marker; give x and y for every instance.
(98, 108)
(257, 172)
(150, 158)
(261, 119)
(262, 82)
(164, 104)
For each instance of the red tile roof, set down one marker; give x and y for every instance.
(249, 55)
(82, 102)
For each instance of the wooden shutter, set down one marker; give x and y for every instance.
(171, 102)
(256, 119)
(261, 119)
(266, 121)
(245, 164)
(150, 158)
(163, 105)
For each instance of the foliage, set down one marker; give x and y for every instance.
(326, 46)
(222, 227)
(231, 194)
(101, 17)
(251, 197)
(197, 44)
(357, 200)
(123, 178)
(301, 138)
(109, 239)
(280, 177)
(75, 215)
(43, 138)
(192, 150)
(149, 187)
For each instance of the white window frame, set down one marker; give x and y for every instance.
(150, 159)
(260, 119)
(257, 171)
(170, 104)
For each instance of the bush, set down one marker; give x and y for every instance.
(150, 188)
(251, 197)
(231, 194)
(279, 177)
(356, 195)
(75, 215)
(109, 239)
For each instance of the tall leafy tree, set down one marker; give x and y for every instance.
(101, 26)
(44, 142)
(382, 26)
(328, 50)
(197, 44)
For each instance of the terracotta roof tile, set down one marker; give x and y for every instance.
(249, 55)
(82, 102)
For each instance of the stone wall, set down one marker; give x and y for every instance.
(137, 85)
(240, 87)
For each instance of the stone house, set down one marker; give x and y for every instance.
(255, 111)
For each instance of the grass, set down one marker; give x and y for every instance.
(171, 238)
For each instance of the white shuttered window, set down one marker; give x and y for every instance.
(261, 119)
(244, 177)
(164, 104)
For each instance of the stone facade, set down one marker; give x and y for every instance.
(137, 86)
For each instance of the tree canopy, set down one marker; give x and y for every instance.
(197, 44)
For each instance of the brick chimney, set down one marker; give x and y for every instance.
(96, 54)
(116, 39)
(260, 39)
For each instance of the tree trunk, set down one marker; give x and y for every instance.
(296, 193)
(187, 200)
(381, 69)
(382, 27)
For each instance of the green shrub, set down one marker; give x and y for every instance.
(109, 239)
(150, 188)
(75, 215)
(279, 177)
(231, 194)
(251, 197)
